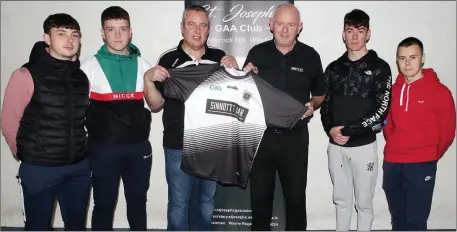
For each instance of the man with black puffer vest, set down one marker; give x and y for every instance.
(43, 123)
(420, 128)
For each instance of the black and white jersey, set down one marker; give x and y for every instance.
(226, 114)
(173, 109)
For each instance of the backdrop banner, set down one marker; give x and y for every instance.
(235, 27)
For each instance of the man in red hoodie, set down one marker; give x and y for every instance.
(420, 128)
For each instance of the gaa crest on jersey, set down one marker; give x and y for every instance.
(246, 95)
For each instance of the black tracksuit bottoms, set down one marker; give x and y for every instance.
(409, 192)
(110, 163)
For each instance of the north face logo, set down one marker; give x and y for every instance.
(370, 166)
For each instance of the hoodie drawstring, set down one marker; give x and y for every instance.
(401, 95)
(407, 96)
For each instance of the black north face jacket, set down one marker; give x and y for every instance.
(358, 97)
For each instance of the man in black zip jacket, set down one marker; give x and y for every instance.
(43, 122)
(356, 105)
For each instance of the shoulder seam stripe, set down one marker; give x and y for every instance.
(166, 52)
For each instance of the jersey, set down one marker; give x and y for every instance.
(226, 114)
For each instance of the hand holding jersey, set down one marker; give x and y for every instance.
(157, 73)
(310, 110)
(250, 67)
(226, 114)
(229, 62)
(309, 104)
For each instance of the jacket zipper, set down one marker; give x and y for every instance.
(70, 116)
(348, 81)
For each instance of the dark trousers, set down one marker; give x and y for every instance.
(287, 153)
(409, 191)
(41, 185)
(110, 163)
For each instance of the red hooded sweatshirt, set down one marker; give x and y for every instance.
(421, 120)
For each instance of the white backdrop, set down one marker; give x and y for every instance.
(155, 27)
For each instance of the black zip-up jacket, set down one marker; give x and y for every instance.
(358, 97)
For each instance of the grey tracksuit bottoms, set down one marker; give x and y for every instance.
(353, 171)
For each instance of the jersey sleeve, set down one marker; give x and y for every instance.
(280, 109)
(183, 81)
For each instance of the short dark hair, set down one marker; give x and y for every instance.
(411, 41)
(115, 12)
(60, 20)
(357, 18)
(197, 8)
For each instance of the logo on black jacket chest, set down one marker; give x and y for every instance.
(296, 69)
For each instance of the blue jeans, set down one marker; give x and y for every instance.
(180, 186)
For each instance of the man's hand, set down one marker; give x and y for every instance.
(157, 73)
(310, 110)
(250, 67)
(336, 135)
(229, 62)
(151, 93)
